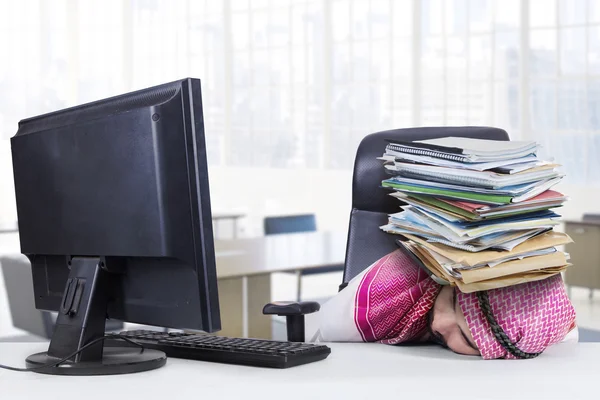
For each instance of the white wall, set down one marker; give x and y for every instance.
(263, 192)
(581, 200)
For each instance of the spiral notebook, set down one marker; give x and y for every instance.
(484, 179)
(467, 150)
(504, 166)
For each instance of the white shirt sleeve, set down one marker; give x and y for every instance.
(336, 317)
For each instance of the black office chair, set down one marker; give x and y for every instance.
(296, 224)
(370, 208)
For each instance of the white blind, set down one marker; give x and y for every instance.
(298, 83)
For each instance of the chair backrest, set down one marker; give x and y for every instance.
(290, 224)
(18, 280)
(371, 204)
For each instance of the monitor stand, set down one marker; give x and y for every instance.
(81, 320)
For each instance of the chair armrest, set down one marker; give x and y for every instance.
(291, 308)
(294, 315)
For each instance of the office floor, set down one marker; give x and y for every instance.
(325, 285)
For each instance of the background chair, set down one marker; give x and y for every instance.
(591, 217)
(21, 301)
(290, 224)
(296, 224)
(370, 208)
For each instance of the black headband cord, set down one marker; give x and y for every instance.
(501, 336)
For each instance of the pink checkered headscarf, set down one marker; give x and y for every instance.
(534, 316)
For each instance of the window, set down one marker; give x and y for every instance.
(298, 83)
(277, 87)
(171, 40)
(370, 69)
(563, 84)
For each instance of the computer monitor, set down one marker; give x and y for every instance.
(114, 215)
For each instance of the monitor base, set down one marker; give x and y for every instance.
(115, 360)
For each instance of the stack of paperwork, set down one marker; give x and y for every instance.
(478, 214)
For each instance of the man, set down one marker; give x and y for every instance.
(394, 301)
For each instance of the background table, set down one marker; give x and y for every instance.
(234, 217)
(244, 268)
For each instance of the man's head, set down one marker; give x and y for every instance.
(527, 318)
(447, 324)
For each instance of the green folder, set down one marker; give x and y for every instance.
(444, 206)
(436, 203)
(449, 193)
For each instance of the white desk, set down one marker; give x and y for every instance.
(352, 371)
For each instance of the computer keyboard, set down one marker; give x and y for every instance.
(203, 347)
